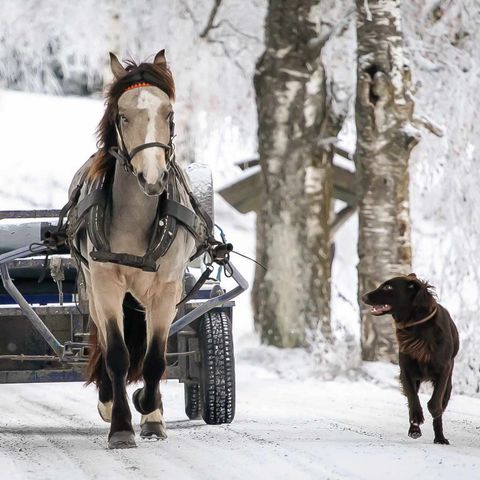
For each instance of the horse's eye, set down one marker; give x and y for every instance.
(123, 118)
(387, 287)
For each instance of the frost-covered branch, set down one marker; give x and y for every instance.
(429, 124)
(317, 44)
(211, 19)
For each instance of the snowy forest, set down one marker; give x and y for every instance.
(342, 136)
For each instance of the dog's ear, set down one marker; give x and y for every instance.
(423, 298)
(411, 275)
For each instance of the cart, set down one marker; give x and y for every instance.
(44, 315)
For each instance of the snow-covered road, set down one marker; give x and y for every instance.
(284, 429)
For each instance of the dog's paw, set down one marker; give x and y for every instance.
(414, 431)
(441, 441)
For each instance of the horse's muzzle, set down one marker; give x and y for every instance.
(153, 189)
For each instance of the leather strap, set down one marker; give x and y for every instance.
(96, 197)
(145, 263)
(186, 216)
(402, 326)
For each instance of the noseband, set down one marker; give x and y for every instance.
(125, 157)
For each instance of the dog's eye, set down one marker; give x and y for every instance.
(387, 287)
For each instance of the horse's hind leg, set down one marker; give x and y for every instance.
(148, 400)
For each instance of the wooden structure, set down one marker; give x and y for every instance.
(244, 194)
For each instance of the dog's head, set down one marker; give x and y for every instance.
(401, 297)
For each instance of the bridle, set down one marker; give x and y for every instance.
(125, 157)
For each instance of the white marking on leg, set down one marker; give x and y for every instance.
(156, 417)
(105, 411)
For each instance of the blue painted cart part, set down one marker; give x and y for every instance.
(42, 376)
(37, 299)
(29, 312)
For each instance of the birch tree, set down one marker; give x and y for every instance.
(293, 295)
(385, 138)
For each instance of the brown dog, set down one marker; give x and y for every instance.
(428, 343)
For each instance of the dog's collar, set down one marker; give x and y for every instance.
(401, 326)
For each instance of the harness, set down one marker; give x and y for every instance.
(91, 212)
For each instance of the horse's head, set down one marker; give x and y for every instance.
(144, 124)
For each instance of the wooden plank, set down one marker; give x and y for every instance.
(244, 194)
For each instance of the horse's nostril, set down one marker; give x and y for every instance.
(141, 178)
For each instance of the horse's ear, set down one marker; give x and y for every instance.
(411, 275)
(117, 68)
(160, 58)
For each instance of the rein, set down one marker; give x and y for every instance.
(400, 326)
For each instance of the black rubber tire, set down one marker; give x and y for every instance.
(192, 401)
(217, 375)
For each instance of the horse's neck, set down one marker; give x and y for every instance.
(132, 214)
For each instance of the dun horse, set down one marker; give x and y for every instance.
(129, 245)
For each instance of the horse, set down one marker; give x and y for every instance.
(132, 250)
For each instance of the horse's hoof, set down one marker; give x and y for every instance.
(153, 431)
(105, 411)
(123, 439)
(414, 431)
(441, 441)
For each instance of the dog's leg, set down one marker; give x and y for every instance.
(437, 421)
(435, 404)
(410, 389)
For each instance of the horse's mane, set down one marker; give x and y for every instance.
(158, 75)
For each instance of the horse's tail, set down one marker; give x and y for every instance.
(135, 334)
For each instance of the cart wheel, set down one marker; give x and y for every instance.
(192, 400)
(217, 376)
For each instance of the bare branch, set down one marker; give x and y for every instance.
(236, 30)
(189, 12)
(211, 18)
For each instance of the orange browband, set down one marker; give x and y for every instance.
(137, 85)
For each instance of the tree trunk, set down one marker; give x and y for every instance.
(292, 299)
(385, 138)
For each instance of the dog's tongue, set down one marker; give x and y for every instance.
(379, 309)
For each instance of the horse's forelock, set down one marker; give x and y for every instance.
(159, 75)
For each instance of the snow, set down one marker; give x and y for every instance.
(343, 430)
(300, 414)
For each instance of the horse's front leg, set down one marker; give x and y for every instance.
(147, 400)
(108, 298)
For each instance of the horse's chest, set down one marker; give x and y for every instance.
(417, 347)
